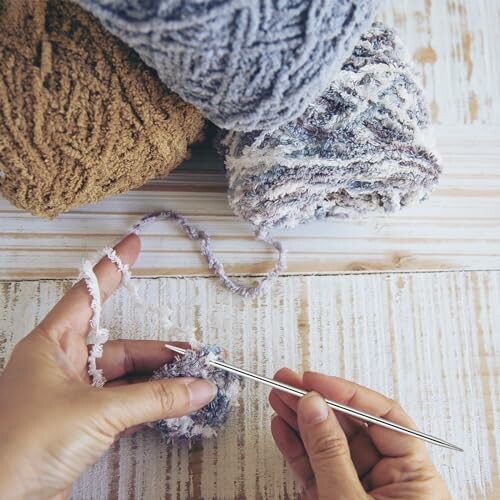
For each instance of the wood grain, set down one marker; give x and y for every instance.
(457, 228)
(454, 45)
(429, 340)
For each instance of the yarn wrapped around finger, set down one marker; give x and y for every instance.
(364, 146)
(246, 65)
(203, 423)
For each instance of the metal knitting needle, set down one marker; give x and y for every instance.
(358, 414)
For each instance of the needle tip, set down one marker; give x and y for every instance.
(176, 349)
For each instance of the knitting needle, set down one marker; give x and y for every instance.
(358, 414)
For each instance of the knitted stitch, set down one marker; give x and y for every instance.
(206, 421)
(245, 64)
(363, 146)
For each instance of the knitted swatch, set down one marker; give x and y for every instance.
(205, 422)
(245, 64)
(363, 146)
(81, 116)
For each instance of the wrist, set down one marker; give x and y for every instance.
(11, 485)
(13, 467)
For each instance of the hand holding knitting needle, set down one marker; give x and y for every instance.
(53, 424)
(336, 457)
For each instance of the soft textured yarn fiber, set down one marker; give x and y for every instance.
(245, 64)
(194, 363)
(81, 116)
(206, 421)
(363, 146)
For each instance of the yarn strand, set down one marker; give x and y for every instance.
(98, 336)
(214, 264)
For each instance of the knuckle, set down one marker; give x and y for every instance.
(327, 447)
(164, 395)
(129, 363)
(394, 404)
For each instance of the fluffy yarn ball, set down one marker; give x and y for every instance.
(205, 422)
(81, 116)
(363, 146)
(245, 64)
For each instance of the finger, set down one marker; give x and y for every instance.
(289, 377)
(364, 454)
(126, 357)
(410, 470)
(127, 380)
(136, 404)
(351, 427)
(327, 448)
(73, 313)
(293, 451)
(389, 443)
(283, 410)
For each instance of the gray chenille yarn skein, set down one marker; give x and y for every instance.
(363, 146)
(245, 64)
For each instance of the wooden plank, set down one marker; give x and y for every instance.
(454, 44)
(429, 340)
(457, 228)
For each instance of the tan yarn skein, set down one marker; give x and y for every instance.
(81, 117)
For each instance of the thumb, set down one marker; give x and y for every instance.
(136, 404)
(328, 450)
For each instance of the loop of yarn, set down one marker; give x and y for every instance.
(98, 335)
(246, 65)
(363, 146)
(215, 264)
(203, 423)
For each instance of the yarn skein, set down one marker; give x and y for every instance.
(81, 116)
(246, 65)
(364, 146)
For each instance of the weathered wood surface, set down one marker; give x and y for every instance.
(457, 228)
(393, 332)
(428, 339)
(455, 48)
(454, 44)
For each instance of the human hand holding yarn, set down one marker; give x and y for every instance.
(53, 423)
(334, 456)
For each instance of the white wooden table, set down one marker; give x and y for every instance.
(408, 304)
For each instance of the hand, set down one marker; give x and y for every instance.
(53, 423)
(334, 456)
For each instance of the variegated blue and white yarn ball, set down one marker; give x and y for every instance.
(364, 146)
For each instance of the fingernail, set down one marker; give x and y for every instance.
(201, 392)
(313, 409)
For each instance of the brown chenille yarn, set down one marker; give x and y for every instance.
(81, 117)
